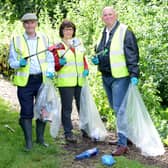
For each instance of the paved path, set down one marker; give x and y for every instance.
(9, 93)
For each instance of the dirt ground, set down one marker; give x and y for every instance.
(104, 148)
(9, 92)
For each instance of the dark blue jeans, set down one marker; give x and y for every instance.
(116, 89)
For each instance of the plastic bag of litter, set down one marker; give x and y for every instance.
(90, 120)
(48, 108)
(134, 122)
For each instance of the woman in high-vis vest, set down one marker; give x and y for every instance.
(30, 73)
(117, 58)
(72, 68)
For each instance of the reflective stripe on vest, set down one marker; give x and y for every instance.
(74, 64)
(71, 73)
(22, 74)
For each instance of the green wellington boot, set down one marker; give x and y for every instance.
(40, 128)
(26, 125)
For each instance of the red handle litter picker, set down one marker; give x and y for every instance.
(53, 47)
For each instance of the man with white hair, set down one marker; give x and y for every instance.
(117, 58)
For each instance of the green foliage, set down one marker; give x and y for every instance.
(15, 9)
(4, 66)
(86, 15)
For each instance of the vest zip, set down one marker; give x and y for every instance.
(28, 50)
(75, 60)
(38, 57)
(36, 51)
(76, 66)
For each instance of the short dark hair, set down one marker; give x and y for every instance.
(67, 23)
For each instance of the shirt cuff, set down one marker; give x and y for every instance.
(15, 64)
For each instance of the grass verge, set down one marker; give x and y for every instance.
(56, 156)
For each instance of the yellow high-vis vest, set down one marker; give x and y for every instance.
(71, 74)
(117, 58)
(21, 47)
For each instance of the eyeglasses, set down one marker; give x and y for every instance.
(68, 29)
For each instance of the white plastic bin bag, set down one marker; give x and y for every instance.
(134, 122)
(48, 108)
(90, 120)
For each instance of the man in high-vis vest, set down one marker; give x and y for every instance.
(117, 58)
(30, 73)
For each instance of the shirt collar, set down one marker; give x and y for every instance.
(108, 31)
(31, 38)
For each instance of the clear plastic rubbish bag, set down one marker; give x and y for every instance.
(48, 108)
(90, 120)
(134, 121)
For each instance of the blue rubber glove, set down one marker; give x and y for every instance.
(50, 75)
(134, 80)
(95, 60)
(22, 62)
(107, 160)
(85, 73)
(62, 61)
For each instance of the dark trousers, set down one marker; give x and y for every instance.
(67, 94)
(27, 94)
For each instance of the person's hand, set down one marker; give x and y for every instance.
(52, 48)
(95, 60)
(134, 80)
(22, 62)
(50, 75)
(85, 73)
(62, 61)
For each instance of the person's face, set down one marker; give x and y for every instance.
(30, 26)
(68, 32)
(109, 17)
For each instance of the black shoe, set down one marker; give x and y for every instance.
(71, 139)
(113, 142)
(26, 125)
(40, 128)
(84, 134)
(129, 142)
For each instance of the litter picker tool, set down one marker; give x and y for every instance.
(102, 52)
(55, 47)
(71, 46)
(36, 54)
